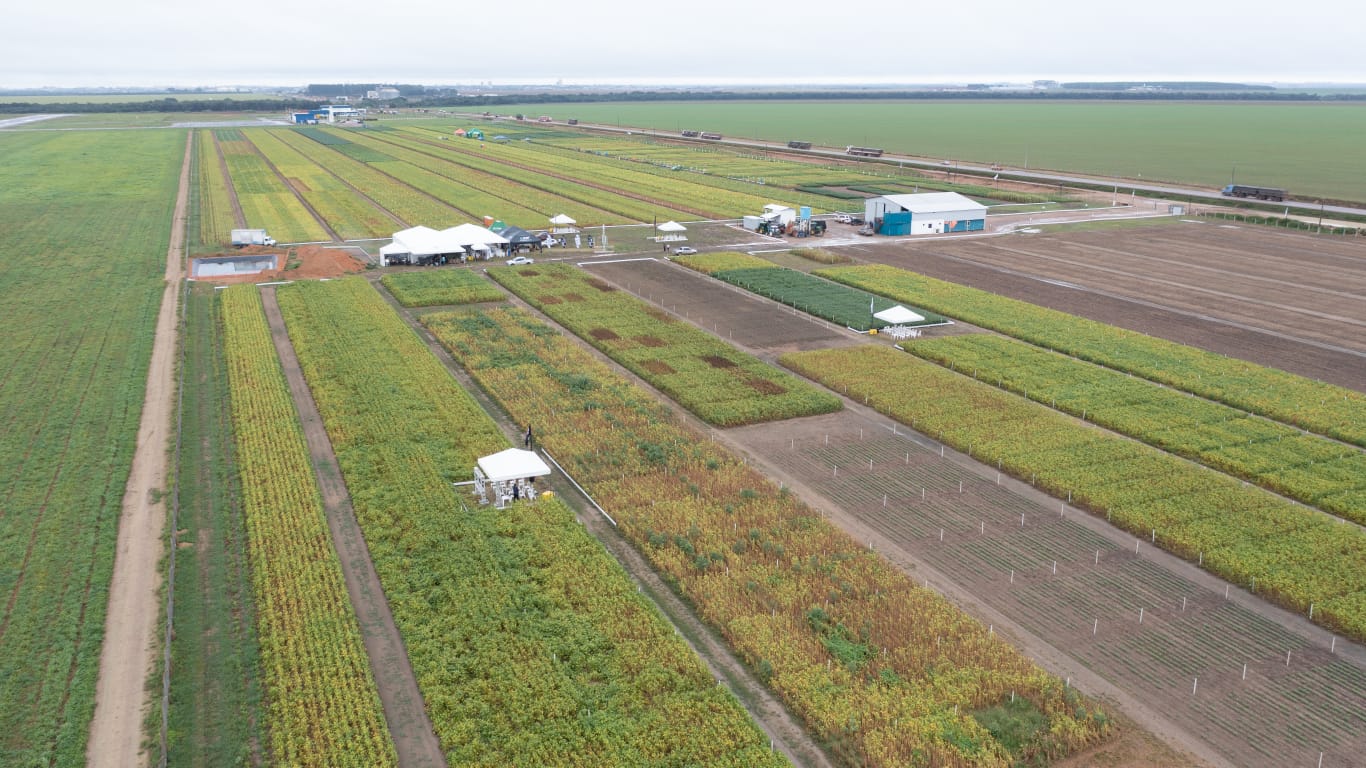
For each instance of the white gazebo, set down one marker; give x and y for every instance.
(563, 225)
(508, 476)
(671, 231)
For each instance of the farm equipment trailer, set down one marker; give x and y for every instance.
(1260, 193)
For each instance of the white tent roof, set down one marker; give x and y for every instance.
(423, 241)
(671, 226)
(512, 464)
(562, 219)
(937, 202)
(394, 247)
(898, 314)
(471, 234)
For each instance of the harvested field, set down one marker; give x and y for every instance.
(1286, 300)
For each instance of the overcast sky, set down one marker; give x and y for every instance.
(268, 42)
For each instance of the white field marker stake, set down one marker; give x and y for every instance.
(1140, 615)
(1094, 627)
(1244, 671)
(1195, 685)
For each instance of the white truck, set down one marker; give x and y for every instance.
(245, 237)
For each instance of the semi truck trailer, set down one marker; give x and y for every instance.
(1260, 193)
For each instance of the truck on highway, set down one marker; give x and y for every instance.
(863, 151)
(799, 144)
(1260, 193)
(244, 237)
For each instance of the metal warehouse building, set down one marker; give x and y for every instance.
(923, 214)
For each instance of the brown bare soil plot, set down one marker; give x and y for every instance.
(1282, 299)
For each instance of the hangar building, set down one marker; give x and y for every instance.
(922, 214)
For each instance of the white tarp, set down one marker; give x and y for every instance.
(897, 315)
(512, 464)
(671, 226)
(423, 241)
(562, 219)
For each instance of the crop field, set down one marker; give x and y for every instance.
(73, 370)
(434, 288)
(1307, 148)
(348, 213)
(799, 290)
(265, 200)
(1080, 587)
(1312, 405)
(530, 644)
(1309, 468)
(323, 706)
(1289, 555)
(826, 622)
(212, 204)
(720, 384)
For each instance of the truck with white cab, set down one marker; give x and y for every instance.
(244, 237)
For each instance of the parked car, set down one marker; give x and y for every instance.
(685, 251)
(517, 261)
(844, 218)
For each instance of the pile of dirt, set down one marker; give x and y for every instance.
(306, 262)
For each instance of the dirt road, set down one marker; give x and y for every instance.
(130, 625)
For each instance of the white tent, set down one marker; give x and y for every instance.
(418, 242)
(472, 234)
(512, 464)
(563, 225)
(898, 315)
(672, 231)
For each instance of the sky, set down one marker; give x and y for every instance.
(150, 43)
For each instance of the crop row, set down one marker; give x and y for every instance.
(545, 194)
(1295, 400)
(410, 205)
(349, 214)
(709, 377)
(600, 200)
(265, 201)
(835, 302)
(1297, 557)
(213, 205)
(84, 226)
(886, 672)
(1309, 468)
(323, 706)
(530, 644)
(470, 191)
(446, 286)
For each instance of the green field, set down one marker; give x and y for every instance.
(84, 225)
(1312, 149)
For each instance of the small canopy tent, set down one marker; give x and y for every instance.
(898, 315)
(563, 225)
(519, 238)
(508, 474)
(671, 231)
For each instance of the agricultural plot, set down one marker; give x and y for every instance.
(720, 384)
(408, 204)
(546, 194)
(323, 706)
(530, 644)
(215, 714)
(845, 639)
(212, 201)
(434, 288)
(265, 201)
(1309, 468)
(73, 372)
(1079, 586)
(348, 213)
(1318, 407)
(837, 303)
(1290, 555)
